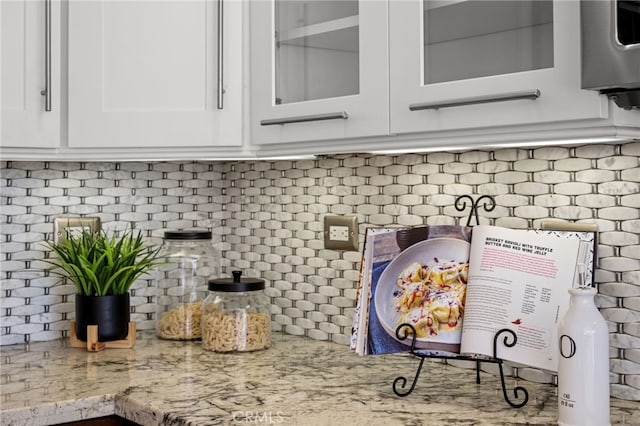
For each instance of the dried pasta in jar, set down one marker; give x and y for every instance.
(236, 331)
(181, 322)
(188, 259)
(236, 315)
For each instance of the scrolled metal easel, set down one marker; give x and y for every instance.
(488, 204)
(400, 383)
(516, 390)
(403, 331)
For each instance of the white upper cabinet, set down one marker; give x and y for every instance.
(319, 70)
(30, 66)
(157, 74)
(470, 64)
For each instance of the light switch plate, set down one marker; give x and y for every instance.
(341, 232)
(67, 225)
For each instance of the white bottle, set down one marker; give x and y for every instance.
(583, 364)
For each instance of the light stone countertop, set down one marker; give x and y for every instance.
(298, 381)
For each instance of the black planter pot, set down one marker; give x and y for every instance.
(109, 313)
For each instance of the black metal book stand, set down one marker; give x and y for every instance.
(404, 331)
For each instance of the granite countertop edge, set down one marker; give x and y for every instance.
(40, 414)
(297, 381)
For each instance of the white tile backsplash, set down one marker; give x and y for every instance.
(266, 217)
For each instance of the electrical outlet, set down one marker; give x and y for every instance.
(341, 232)
(68, 226)
(338, 233)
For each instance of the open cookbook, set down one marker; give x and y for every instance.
(457, 286)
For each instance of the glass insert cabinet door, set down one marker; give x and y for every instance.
(471, 39)
(316, 50)
(318, 64)
(476, 63)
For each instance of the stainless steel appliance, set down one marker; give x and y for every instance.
(611, 49)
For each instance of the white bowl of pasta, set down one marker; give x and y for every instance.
(425, 286)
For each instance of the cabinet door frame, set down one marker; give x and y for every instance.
(367, 111)
(561, 97)
(93, 125)
(29, 125)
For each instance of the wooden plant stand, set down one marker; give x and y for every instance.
(93, 345)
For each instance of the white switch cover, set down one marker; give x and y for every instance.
(66, 226)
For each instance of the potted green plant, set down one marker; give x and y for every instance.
(103, 268)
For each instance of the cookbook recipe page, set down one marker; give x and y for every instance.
(518, 279)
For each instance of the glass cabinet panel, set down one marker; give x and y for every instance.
(319, 70)
(477, 38)
(317, 53)
(628, 25)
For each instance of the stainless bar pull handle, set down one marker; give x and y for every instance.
(47, 56)
(511, 96)
(304, 118)
(220, 54)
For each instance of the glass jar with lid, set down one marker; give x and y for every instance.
(236, 315)
(190, 259)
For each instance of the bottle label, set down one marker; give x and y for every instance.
(566, 401)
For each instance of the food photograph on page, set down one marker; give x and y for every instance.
(419, 277)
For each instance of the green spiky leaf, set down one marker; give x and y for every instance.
(99, 264)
